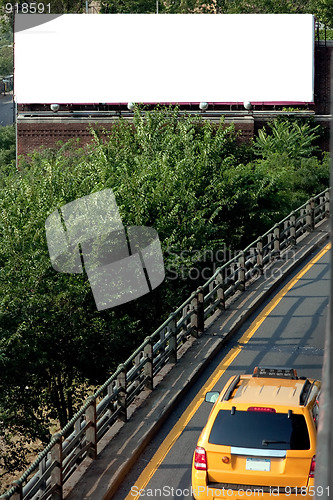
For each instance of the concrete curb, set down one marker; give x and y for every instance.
(120, 454)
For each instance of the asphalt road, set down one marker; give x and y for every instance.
(6, 109)
(290, 333)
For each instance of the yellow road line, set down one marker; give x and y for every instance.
(176, 431)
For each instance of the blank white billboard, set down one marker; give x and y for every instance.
(180, 58)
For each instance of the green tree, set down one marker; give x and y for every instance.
(288, 138)
(6, 32)
(6, 61)
(322, 9)
(132, 7)
(68, 6)
(7, 147)
(6, 47)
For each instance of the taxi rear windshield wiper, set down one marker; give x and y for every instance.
(265, 442)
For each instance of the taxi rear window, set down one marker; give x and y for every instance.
(263, 430)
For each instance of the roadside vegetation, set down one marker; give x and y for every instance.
(326, 34)
(322, 9)
(194, 182)
(6, 49)
(7, 148)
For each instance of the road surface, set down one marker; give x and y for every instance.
(6, 109)
(288, 330)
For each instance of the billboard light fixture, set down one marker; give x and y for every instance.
(55, 107)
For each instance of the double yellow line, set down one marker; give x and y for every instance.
(176, 431)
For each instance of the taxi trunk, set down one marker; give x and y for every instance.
(259, 448)
(244, 469)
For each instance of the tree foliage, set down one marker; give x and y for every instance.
(188, 179)
(6, 32)
(68, 6)
(6, 49)
(322, 9)
(287, 138)
(6, 61)
(7, 147)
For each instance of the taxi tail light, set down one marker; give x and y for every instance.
(200, 459)
(312, 467)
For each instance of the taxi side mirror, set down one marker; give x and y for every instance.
(211, 397)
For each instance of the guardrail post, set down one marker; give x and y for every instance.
(270, 247)
(56, 474)
(285, 231)
(18, 495)
(198, 318)
(220, 290)
(310, 215)
(327, 204)
(121, 396)
(321, 207)
(185, 326)
(211, 288)
(241, 267)
(173, 341)
(148, 368)
(91, 435)
(77, 426)
(260, 245)
(276, 234)
(292, 229)
(42, 469)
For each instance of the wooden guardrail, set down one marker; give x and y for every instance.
(45, 478)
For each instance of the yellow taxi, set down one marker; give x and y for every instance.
(260, 438)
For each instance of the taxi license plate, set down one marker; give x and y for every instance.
(260, 464)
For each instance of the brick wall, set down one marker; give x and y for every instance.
(33, 134)
(36, 132)
(245, 126)
(323, 56)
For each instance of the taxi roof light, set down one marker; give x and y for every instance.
(275, 372)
